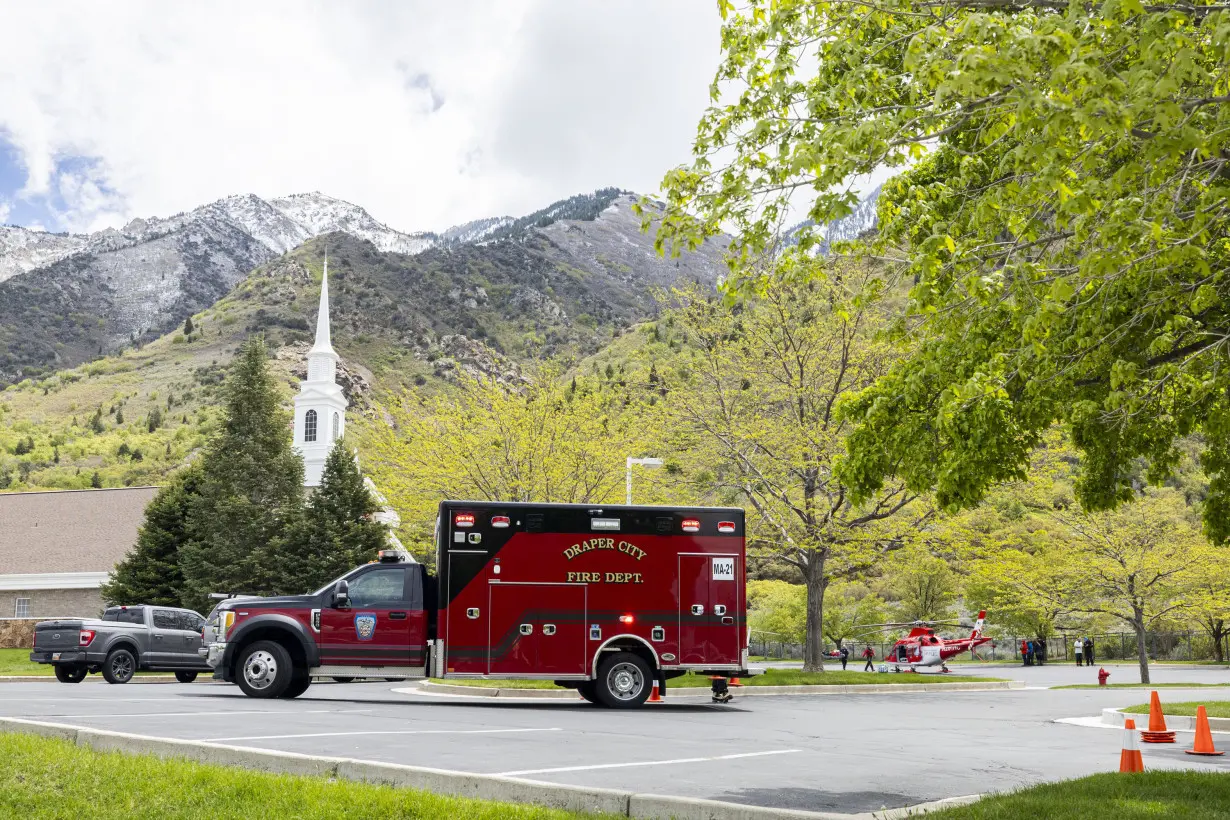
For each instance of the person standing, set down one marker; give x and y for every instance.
(870, 655)
(845, 656)
(1089, 651)
(1078, 649)
(1040, 651)
(1024, 653)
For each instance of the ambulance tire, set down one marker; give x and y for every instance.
(589, 691)
(264, 670)
(624, 681)
(298, 685)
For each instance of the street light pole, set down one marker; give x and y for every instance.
(643, 462)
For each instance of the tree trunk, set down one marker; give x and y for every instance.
(813, 644)
(1218, 631)
(1142, 653)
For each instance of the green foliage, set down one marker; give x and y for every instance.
(920, 586)
(777, 611)
(1065, 221)
(251, 488)
(150, 573)
(849, 606)
(338, 531)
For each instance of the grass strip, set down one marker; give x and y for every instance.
(49, 778)
(1150, 795)
(1214, 708)
(17, 662)
(1141, 686)
(771, 677)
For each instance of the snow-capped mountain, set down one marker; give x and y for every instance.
(22, 249)
(278, 224)
(851, 226)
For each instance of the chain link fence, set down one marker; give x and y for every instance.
(1115, 646)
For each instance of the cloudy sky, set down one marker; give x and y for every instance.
(426, 113)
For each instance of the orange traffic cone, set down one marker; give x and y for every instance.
(654, 695)
(735, 682)
(1156, 732)
(1130, 759)
(1204, 738)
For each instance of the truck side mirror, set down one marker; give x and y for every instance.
(341, 595)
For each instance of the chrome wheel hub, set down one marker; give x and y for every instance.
(260, 670)
(625, 681)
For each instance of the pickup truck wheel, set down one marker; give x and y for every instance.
(624, 681)
(119, 666)
(264, 670)
(589, 691)
(70, 674)
(185, 677)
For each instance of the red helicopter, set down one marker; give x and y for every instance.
(923, 648)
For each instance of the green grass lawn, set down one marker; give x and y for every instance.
(1150, 795)
(17, 662)
(771, 677)
(1142, 686)
(1214, 708)
(45, 778)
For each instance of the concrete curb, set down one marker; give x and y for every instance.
(1177, 723)
(89, 679)
(443, 781)
(746, 691)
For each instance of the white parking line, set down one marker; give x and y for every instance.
(214, 714)
(405, 732)
(645, 763)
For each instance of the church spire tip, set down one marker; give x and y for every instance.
(323, 341)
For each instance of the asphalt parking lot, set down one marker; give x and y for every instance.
(845, 753)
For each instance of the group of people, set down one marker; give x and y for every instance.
(1083, 649)
(1033, 653)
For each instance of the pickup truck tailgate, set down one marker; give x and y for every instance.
(52, 636)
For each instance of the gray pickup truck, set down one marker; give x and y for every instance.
(125, 640)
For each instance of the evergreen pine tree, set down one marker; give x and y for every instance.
(251, 489)
(188, 326)
(155, 419)
(96, 423)
(96, 481)
(150, 573)
(119, 416)
(338, 531)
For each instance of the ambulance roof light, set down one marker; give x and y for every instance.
(626, 619)
(463, 519)
(726, 526)
(691, 525)
(607, 524)
(500, 521)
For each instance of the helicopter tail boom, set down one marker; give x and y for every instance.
(977, 633)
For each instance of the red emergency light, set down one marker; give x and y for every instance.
(500, 521)
(691, 525)
(726, 526)
(626, 619)
(463, 519)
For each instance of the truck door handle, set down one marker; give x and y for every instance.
(718, 609)
(698, 609)
(548, 629)
(397, 616)
(527, 629)
(727, 620)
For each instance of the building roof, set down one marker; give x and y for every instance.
(70, 530)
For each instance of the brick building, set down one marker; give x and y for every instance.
(56, 548)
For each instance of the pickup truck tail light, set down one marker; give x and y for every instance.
(86, 637)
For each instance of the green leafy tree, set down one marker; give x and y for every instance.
(777, 611)
(1065, 220)
(150, 573)
(920, 586)
(339, 530)
(849, 607)
(251, 489)
(755, 394)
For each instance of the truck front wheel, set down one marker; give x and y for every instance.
(264, 670)
(624, 681)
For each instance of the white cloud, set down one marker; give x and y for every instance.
(5, 210)
(426, 113)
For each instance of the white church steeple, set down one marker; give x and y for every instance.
(320, 407)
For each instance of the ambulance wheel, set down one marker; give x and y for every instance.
(185, 677)
(297, 686)
(589, 691)
(343, 680)
(624, 681)
(264, 670)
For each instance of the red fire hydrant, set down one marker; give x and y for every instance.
(1102, 676)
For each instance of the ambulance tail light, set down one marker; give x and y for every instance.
(226, 619)
(85, 638)
(691, 525)
(726, 526)
(500, 521)
(626, 619)
(463, 520)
